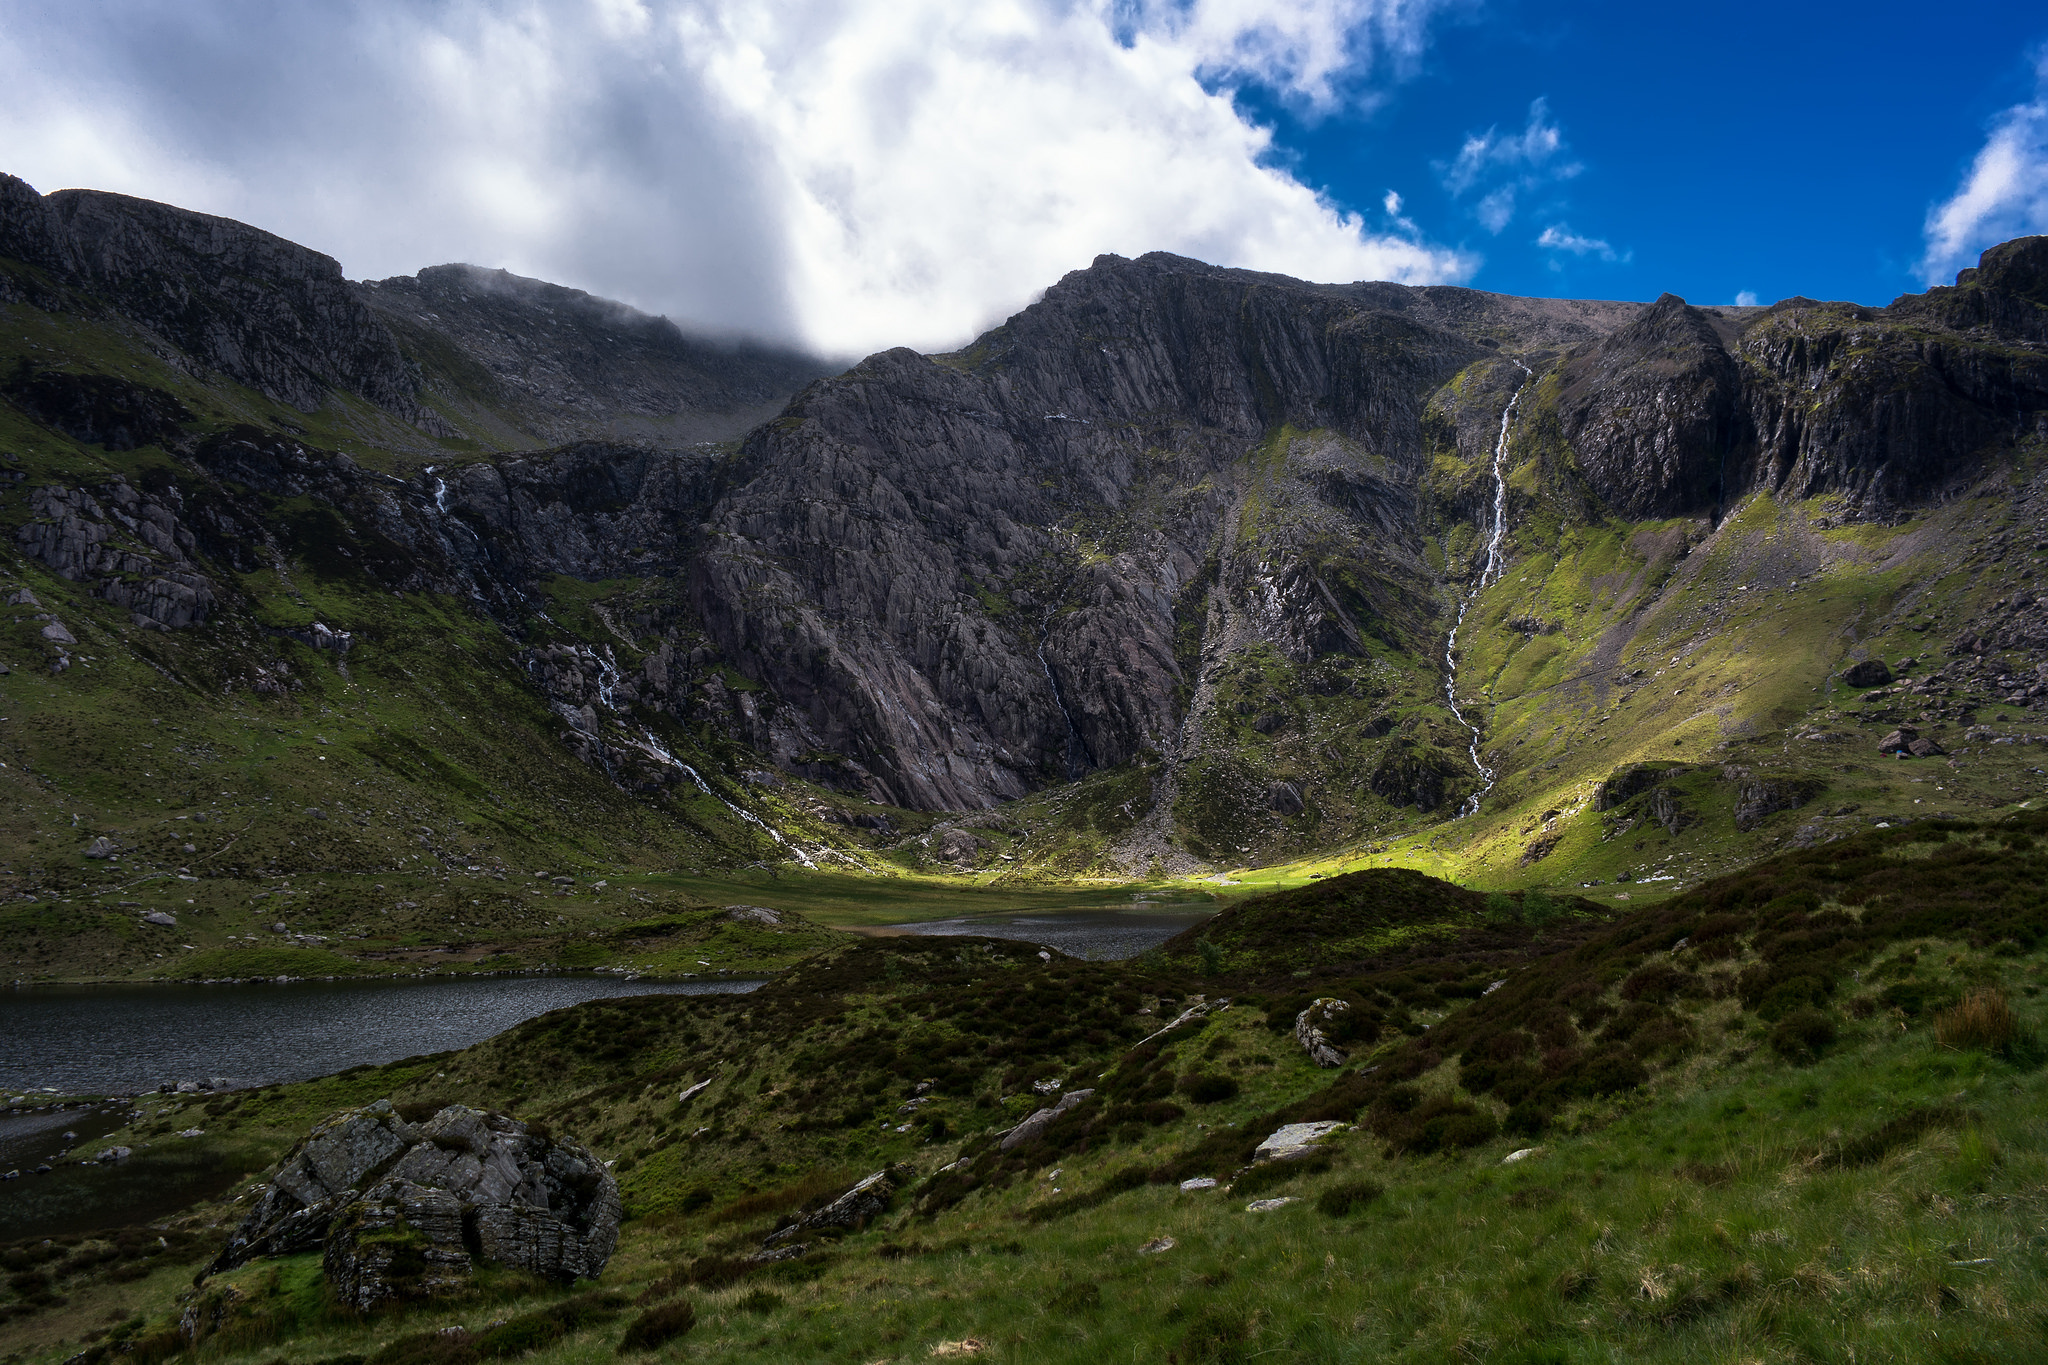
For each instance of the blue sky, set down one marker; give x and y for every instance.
(855, 174)
(1777, 149)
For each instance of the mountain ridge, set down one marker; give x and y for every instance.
(1186, 536)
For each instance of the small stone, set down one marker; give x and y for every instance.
(1200, 1182)
(1522, 1155)
(1157, 1245)
(114, 1154)
(1268, 1205)
(758, 914)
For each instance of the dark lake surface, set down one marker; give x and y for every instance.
(124, 1039)
(1101, 935)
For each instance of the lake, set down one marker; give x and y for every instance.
(101, 1040)
(1101, 935)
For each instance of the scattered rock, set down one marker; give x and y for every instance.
(399, 1209)
(1295, 1140)
(56, 634)
(757, 914)
(1310, 1026)
(162, 920)
(955, 845)
(23, 598)
(1268, 1205)
(1758, 798)
(1899, 741)
(856, 1208)
(1040, 1121)
(102, 847)
(1868, 673)
(114, 1154)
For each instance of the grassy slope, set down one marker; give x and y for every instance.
(1715, 1178)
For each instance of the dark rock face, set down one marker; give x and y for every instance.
(571, 365)
(275, 315)
(131, 546)
(399, 1209)
(1759, 797)
(1654, 410)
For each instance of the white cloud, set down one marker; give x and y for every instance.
(1507, 166)
(1560, 237)
(1746, 298)
(2005, 194)
(850, 174)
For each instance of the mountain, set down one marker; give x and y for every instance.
(1158, 577)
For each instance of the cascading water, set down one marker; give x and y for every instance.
(1075, 771)
(607, 684)
(655, 749)
(1490, 568)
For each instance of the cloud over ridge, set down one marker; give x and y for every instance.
(2005, 193)
(846, 175)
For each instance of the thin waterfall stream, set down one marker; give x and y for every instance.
(1490, 569)
(1075, 771)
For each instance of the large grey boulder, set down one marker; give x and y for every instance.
(399, 1210)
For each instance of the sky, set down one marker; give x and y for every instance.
(848, 175)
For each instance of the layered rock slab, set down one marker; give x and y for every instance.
(401, 1210)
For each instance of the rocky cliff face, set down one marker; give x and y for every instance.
(562, 365)
(267, 312)
(1204, 528)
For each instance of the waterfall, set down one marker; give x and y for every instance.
(1074, 740)
(1490, 568)
(656, 749)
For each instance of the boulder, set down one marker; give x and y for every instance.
(1293, 1141)
(756, 914)
(56, 634)
(955, 845)
(1311, 1030)
(1867, 673)
(400, 1210)
(1898, 741)
(1284, 798)
(1925, 748)
(102, 847)
(160, 919)
(1042, 1120)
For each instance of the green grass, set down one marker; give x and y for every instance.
(1733, 1201)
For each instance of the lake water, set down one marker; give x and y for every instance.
(96, 1040)
(1101, 935)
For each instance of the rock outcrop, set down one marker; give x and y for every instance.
(1042, 1119)
(1311, 1030)
(399, 1210)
